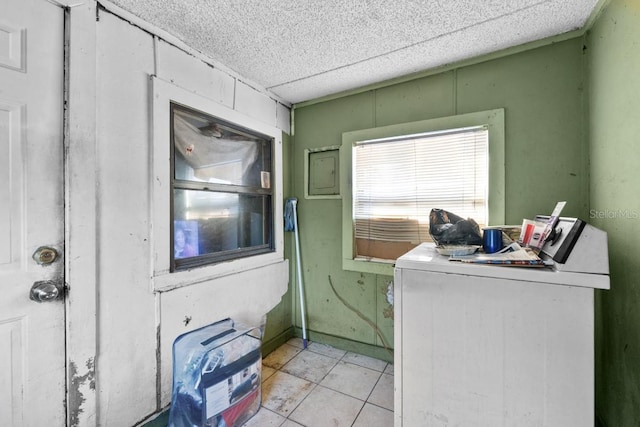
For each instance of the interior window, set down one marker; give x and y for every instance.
(222, 198)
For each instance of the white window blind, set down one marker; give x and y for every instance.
(397, 181)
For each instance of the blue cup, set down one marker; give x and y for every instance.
(492, 240)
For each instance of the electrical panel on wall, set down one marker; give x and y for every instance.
(322, 173)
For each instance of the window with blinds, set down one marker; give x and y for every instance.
(398, 180)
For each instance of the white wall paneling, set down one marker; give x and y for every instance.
(191, 73)
(126, 310)
(245, 297)
(112, 218)
(255, 104)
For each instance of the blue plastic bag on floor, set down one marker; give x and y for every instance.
(216, 376)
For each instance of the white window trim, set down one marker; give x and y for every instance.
(494, 119)
(162, 279)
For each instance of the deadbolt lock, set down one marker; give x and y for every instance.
(45, 255)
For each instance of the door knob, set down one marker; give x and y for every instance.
(46, 290)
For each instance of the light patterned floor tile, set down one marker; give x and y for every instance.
(382, 394)
(267, 372)
(324, 407)
(296, 342)
(282, 392)
(279, 357)
(353, 380)
(310, 366)
(326, 350)
(389, 369)
(265, 418)
(365, 361)
(374, 416)
(290, 423)
(291, 396)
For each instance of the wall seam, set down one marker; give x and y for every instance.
(454, 89)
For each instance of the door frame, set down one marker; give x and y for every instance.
(80, 210)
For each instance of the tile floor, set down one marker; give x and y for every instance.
(323, 386)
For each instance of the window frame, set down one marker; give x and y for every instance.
(178, 264)
(161, 215)
(493, 119)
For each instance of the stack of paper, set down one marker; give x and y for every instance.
(512, 255)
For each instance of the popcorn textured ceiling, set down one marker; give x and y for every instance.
(300, 50)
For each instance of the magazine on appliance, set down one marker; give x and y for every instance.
(512, 255)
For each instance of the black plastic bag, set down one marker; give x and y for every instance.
(447, 228)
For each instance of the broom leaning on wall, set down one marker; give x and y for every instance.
(291, 224)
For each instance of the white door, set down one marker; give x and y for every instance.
(32, 344)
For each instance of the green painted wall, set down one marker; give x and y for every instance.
(280, 318)
(614, 130)
(320, 222)
(542, 92)
(573, 133)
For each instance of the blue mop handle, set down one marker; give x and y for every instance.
(294, 203)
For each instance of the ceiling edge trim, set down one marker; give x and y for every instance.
(595, 14)
(179, 44)
(451, 66)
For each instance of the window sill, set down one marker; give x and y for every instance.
(166, 281)
(382, 267)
